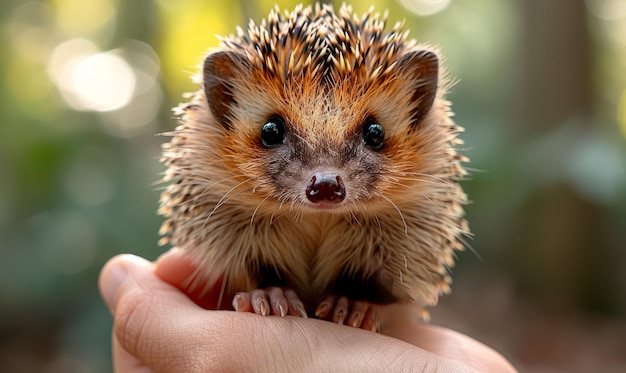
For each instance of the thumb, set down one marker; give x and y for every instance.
(151, 317)
(114, 274)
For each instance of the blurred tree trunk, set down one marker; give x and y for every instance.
(562, 253)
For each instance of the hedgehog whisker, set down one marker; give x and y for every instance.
(257, 209)
(423, 175)
(406, 228)
(304, 141)
(226, 197)
(471, 248)
(298, 212)
(218, 205)
(409, 187)
(207, 188)
(282, 199)
(418, 179)
(220, 202)
(230, 178)
(354, 218)
(231, 196)
(272, 217)
(363, 207)
(380, 225)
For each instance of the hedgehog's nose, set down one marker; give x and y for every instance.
(325, 187)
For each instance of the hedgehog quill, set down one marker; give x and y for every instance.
(315, 171)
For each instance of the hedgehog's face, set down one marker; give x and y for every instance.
(317, 154)
(321, 143)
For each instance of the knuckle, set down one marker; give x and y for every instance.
(131, 319)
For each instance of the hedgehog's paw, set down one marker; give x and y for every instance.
(271, 301)
(358, 314)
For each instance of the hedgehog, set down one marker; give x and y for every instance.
(316, 172)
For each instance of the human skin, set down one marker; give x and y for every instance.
(159, 325)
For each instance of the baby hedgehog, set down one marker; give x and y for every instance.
(315, 171)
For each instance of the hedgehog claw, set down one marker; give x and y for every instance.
(358, 314)
(271, 301)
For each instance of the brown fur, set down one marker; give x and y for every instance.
(240, 208)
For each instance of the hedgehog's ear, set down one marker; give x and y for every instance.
(220, 71)
(422, 69)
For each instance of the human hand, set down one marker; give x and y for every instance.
(158, 328)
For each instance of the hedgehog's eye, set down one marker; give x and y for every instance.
(273, 132)
(373, 134)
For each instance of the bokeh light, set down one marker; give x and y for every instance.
(100, 82)
(122, 84)
(78, 17)
(141, 113)
(607, 9)
(425, 7)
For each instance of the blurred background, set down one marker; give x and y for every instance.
(86, 85)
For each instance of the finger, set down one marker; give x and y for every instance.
(175, 267)
(178, 269)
